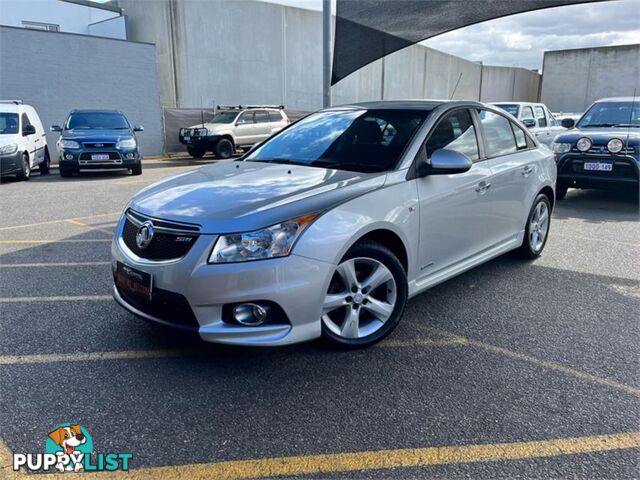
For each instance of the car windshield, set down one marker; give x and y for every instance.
(8, 123)
(97, 121)
(224, 117)
(612, 114)
(509, 108)
(357, 140)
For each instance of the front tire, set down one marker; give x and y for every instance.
(45, 166)
(223, 149)
(366, 297)
(196, 152)
(66, 172)
(537, 231)
(25, 172)
(137, 169)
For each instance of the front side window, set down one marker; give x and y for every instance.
(261, 116)
(542, 119)
(25, 120)
(245, 118)
(357, 140)
(224, 117)
(8, 123)
(612, 114)
(498, 134)
(454, 132)
(97, 121)
(527, 112)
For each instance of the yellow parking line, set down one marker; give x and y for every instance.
(60, 298)
(537, 361)
(376, 460)
(89, 356)
(50, 222)
(85, 225)
(41, 242)
(56, 264)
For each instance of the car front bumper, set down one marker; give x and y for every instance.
(81, 159)
(11, 163)
(571, 171)
(296, 284)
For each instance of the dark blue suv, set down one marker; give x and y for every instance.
(98, 139)
(603, 150)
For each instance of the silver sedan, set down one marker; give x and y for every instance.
(330, 226)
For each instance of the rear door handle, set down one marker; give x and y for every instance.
(483, 187)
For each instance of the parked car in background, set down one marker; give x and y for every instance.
(536, 117)
(233, 127)
(98, 139)
(23, 144)
(602, 150)
(562, 116)
(329, 226)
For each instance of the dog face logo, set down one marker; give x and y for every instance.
(144, 235)
(70, 442)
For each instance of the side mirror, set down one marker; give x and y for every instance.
(444, 162)
(568, 122)
(138, 128)
(55, 128)
(28, 130)
(529, 122)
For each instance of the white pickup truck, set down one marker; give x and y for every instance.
(536, 117)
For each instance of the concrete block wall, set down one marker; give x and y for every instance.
(78, 71)
(573, 79)
(509, 84)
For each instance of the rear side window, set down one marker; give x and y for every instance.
(542, 119)
(527, 112)
(261, 116)
(498, 134)
(455, 131)
(275, 116)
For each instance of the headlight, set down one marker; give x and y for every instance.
(9, 149)
(584, 144)
(126, 143)
(615, 145)
(69, 144)
(561, 147)
(271, 242)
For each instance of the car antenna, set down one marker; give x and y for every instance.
(201, 111)
(633, 103)
(456, 87)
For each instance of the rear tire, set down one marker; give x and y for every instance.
(561, 191)
(224, 148)
(25, 173)
(137, 169)
(537, 231)
(45, 166)
(366, 297)
(196, 152)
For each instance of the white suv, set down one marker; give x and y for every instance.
(23, 144)
(536, 117)
(233, 127)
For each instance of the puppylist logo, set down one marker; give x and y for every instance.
(69, 448)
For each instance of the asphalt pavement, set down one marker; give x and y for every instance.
(512, 370)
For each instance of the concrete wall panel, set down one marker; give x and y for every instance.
(102, 73)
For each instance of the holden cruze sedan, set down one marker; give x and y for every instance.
(328, 227)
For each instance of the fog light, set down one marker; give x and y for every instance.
(131, 156)
(68, 156)
(250, 314)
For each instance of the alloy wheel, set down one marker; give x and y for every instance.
(539, 226)
(361, 298)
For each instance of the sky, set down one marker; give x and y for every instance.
(520, 40)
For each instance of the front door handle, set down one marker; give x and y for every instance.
(526, 171)
(483, 187)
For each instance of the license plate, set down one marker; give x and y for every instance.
(99, 156)
(134, 280)
(598, 166)
(187, 139)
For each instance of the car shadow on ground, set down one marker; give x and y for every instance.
(599, 206)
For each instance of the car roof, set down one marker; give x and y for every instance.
(516, 103)
(10, 108)
(403, 104)
(617, 99)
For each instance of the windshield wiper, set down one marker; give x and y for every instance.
(284, 161)
(598, 125)
(626, 125)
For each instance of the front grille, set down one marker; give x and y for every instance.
(602, 150)
(164, 305)
(163, 246)
(87, 155)
(99, 145)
